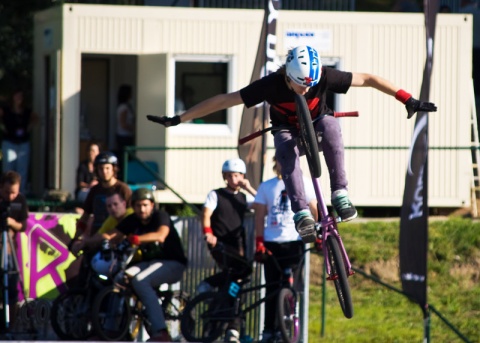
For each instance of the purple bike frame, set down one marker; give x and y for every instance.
(328, 225)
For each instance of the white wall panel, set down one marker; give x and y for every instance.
(391, 45)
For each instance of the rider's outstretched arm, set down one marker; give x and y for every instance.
(210, 105)
(412, 105)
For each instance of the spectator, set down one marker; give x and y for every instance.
(163, 258)
(86, 177)
(18, 122)
(125, 120)
(106, 168)
(117, 210)
(222, 220)
(275, 232)
(13, 205)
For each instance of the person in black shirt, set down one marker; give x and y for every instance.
(13, 205)
(18, 121)
(304, 74)
(162, 256)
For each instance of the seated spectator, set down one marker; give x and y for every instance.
(162, 260)
(117, 210)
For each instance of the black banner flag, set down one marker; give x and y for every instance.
(414, 213)
(255, 118)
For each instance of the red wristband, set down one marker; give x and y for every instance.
(207, 229)
(402, 96)
(134, 239)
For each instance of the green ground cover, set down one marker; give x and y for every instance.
(383, 315)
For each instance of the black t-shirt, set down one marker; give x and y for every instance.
(171, 249)
(16, 209)
(84, 174)
(16, 125)
(274, 90)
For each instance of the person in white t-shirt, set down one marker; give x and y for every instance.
(276, 234)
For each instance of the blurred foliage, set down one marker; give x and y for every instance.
(16, 40)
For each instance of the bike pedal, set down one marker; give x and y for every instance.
(332, 277)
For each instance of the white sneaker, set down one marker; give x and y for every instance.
(232, 336)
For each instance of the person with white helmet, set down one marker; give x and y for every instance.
(304, 74)
(222, 222)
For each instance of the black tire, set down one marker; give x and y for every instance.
(288, 315)
(203, 319)
(112, 317)
(70, 316)
(339, 276)
(173, 311)
(308, 136)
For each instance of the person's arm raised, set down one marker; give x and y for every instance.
(216, 103)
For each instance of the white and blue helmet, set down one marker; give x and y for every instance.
(303, 66)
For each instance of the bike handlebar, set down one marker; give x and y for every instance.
(251, 136)
(345, 114)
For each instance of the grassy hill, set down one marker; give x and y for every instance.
(383, 315)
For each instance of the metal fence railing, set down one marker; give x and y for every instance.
(201, 265)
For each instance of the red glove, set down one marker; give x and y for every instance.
(261, 252)
(413, 105)
(134, 239)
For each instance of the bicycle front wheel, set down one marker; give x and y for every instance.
(308, 136)
(288, 315)
(70, 315)
(203, 319)
(339, 276)
(111, 315)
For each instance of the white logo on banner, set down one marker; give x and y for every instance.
(318, 39)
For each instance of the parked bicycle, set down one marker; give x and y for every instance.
(71, 311)
(118, 314)
(206, 316)
(337, 263)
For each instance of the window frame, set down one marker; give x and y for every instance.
(192, 129)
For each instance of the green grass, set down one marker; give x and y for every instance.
(383, 315)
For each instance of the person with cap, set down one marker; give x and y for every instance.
(106, 169)
(304, 74)
(162, 258)
(222, 223)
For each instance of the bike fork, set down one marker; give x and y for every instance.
(325, 234)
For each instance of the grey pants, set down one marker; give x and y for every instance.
(146, 277)
(288, 154)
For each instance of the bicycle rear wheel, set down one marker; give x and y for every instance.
(339, 276)
(204, 318)
(111, 315)
(70, 315)
(308, 136)
(288, 318)
(173, 311)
